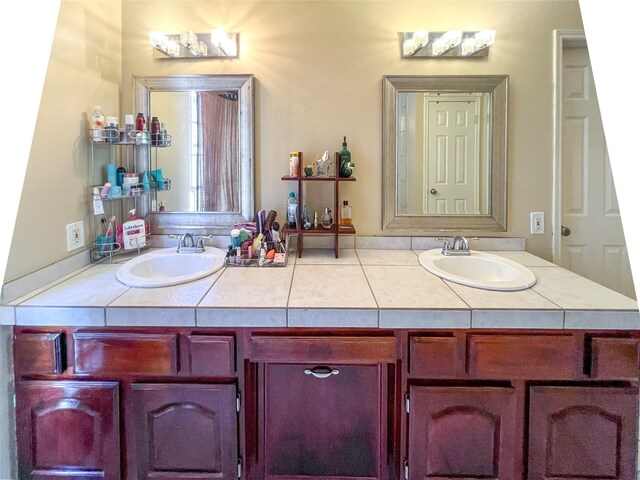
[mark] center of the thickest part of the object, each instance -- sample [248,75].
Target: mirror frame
[166,222]
[497,85]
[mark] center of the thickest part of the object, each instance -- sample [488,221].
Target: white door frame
[561,38]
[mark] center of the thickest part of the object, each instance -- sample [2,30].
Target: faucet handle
[200,240]
[446,246]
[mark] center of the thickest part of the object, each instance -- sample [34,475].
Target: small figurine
[323,164]
[308,171]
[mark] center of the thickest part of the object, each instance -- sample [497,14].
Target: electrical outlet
[537,223]
[75,236]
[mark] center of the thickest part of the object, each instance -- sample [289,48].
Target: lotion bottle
[133,232]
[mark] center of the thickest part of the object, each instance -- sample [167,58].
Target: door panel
[583,432]
[68,429]
[185,431]
[322,427]
[596,248]
[462,433]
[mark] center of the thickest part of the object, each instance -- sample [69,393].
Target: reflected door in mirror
[442,153]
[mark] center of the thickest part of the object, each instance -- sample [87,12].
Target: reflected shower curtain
[218,169]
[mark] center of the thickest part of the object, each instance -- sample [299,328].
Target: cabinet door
[462,432]
[68,430]
[184,431]
[322,427]
[583,432]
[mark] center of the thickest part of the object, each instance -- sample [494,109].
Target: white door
[593,242]
[452,157]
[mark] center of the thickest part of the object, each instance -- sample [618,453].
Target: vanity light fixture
[452,43]
[187,44]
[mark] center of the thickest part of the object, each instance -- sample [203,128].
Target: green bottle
[346,167]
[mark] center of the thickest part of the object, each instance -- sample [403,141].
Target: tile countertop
[363,288]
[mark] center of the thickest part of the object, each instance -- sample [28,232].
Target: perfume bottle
[306,218]
[327,219]
[345,213]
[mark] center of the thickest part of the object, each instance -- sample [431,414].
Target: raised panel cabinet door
[583,432]
[462,433]
[184,431]
[68,430]
[325,423]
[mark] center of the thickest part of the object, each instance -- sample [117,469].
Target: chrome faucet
[188,244]
[460,246]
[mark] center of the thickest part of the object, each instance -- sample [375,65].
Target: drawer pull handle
[321,372]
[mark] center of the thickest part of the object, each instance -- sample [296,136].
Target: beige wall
[84,70]
[318,68]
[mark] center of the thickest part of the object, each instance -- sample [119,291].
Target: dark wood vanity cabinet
[68,429]
[582,432]
[322,422]
[186,431]
[459,432]
[287,404]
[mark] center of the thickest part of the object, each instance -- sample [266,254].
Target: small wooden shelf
[335,229]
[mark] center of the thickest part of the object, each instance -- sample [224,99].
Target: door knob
[433,191]
[565,231]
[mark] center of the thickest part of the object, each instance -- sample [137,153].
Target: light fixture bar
[188,44]
[451,43]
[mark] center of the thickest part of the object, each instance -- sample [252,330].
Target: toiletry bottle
[140,123]
[315,219]
[129,126]
[327,219]
[306,218]
[112,132]
[345,213]
[163,136]
[133,232]
[294,164]
[155,130]
[345,168]
[292,210]
[97,124]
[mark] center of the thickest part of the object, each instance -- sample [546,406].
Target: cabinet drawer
[436,356]
[125,353]
[355,350]
[614,358]
[522,357]
[211,355]
[39,353]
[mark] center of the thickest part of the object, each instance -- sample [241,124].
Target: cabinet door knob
[433,191]
[321,372]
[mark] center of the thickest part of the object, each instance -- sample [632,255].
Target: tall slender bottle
[345,167]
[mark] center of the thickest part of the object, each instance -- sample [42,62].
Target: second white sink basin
[480,270]
[165,267]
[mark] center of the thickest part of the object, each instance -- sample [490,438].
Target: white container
[133,232]
[97,124]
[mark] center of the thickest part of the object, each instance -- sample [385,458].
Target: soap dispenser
[133,232]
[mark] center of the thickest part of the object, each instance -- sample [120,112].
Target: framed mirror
[444,153]
[210,159]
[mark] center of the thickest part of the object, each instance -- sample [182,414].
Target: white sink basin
[165,267]
[480,270]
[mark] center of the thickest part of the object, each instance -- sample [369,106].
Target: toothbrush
[110,227]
